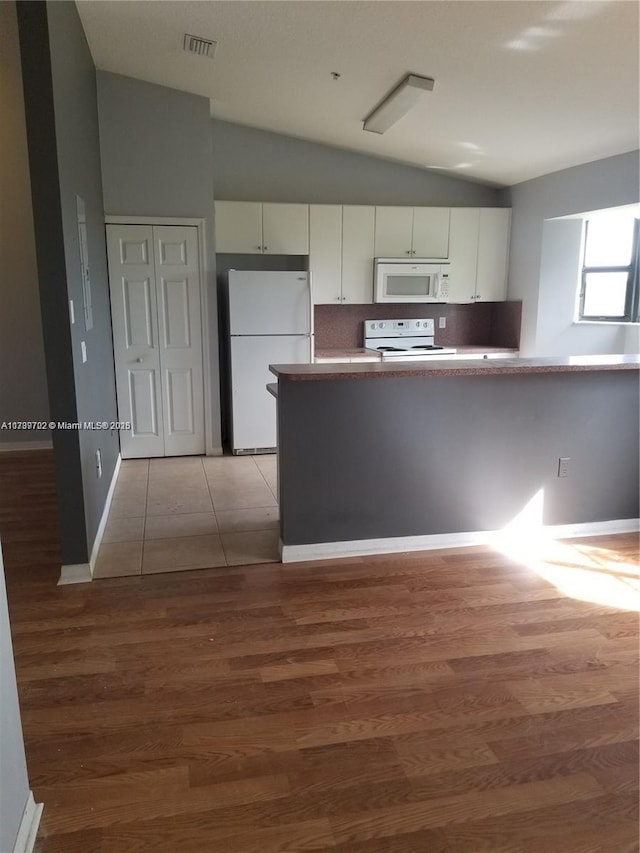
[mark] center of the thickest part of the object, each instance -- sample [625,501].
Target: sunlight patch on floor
[585,572]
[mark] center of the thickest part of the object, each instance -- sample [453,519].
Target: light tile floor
[190,512]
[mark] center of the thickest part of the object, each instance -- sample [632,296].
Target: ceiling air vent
[200,46]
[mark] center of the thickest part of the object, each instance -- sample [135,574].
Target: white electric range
[404,340]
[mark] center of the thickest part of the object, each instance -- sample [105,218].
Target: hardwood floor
[444,702]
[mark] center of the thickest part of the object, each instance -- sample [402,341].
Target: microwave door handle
[437,285]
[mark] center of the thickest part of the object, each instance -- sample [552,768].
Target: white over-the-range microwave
[414,280]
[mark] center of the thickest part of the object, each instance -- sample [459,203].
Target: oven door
[408,282]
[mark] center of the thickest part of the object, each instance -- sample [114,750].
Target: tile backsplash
[483,324]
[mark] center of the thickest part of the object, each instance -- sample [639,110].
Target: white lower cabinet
[341,253]
[478,253]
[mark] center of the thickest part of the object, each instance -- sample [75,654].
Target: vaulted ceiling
[523,87]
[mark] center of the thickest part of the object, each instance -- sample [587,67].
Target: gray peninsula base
[379,458]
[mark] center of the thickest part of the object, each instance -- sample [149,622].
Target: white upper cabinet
[341,254]
[253,228]
[285,229]
[478,252]
[357,254]
[463,253]
[430,235]
[493,254]
[421,232]
[393,237]
[325,252]
[238,227]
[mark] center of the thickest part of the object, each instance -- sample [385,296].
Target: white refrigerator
[270,322]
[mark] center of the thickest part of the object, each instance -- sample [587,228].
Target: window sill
[624,323]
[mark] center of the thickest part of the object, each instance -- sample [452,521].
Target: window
[609,287]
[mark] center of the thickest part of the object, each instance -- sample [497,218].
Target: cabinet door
[493,254]
[393,232]
[463,253]
[430,236]
[238,227]
[285,229]
[325,253]
[357,254]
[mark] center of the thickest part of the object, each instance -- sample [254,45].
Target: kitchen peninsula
[383,457]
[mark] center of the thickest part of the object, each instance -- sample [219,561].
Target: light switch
[442,322]
[83,350]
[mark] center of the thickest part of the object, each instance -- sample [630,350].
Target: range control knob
[381,325]
[373,326]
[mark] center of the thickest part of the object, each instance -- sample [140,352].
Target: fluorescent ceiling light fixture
[398,103]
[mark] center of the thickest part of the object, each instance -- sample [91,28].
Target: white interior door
[134,318]
[157,337]
[180,338]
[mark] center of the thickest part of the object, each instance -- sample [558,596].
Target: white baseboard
[398,544]
[83,572]
[17,446]
[26,838]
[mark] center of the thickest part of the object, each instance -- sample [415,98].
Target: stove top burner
[427,347]
[391,349]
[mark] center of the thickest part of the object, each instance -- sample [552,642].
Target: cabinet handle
[338,298]
[408,251]
[478,296]
[265,248]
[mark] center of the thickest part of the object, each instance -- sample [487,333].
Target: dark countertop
[444,367]
[346,355]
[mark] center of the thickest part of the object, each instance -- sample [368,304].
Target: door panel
[138,311]
[179,318]
[135,336]
[143,403]
[179,397]
[175,307]
[154,281]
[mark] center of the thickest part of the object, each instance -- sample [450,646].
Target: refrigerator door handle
[310,308]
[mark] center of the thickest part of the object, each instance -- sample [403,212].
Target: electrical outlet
[442,322]
[99,463]
[563,466]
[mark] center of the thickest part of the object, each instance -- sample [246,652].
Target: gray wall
[23,383]
[385,461]
[14,785]
[64,157]
[157,161]
[605,183]
[257,165]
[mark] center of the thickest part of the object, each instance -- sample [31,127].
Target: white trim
[152,220]
[75,573]
[83,572]
[15,446]
[105,515]
[26,838]
[200,225]
[397,544]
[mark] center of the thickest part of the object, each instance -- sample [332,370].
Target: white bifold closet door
[154,280]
